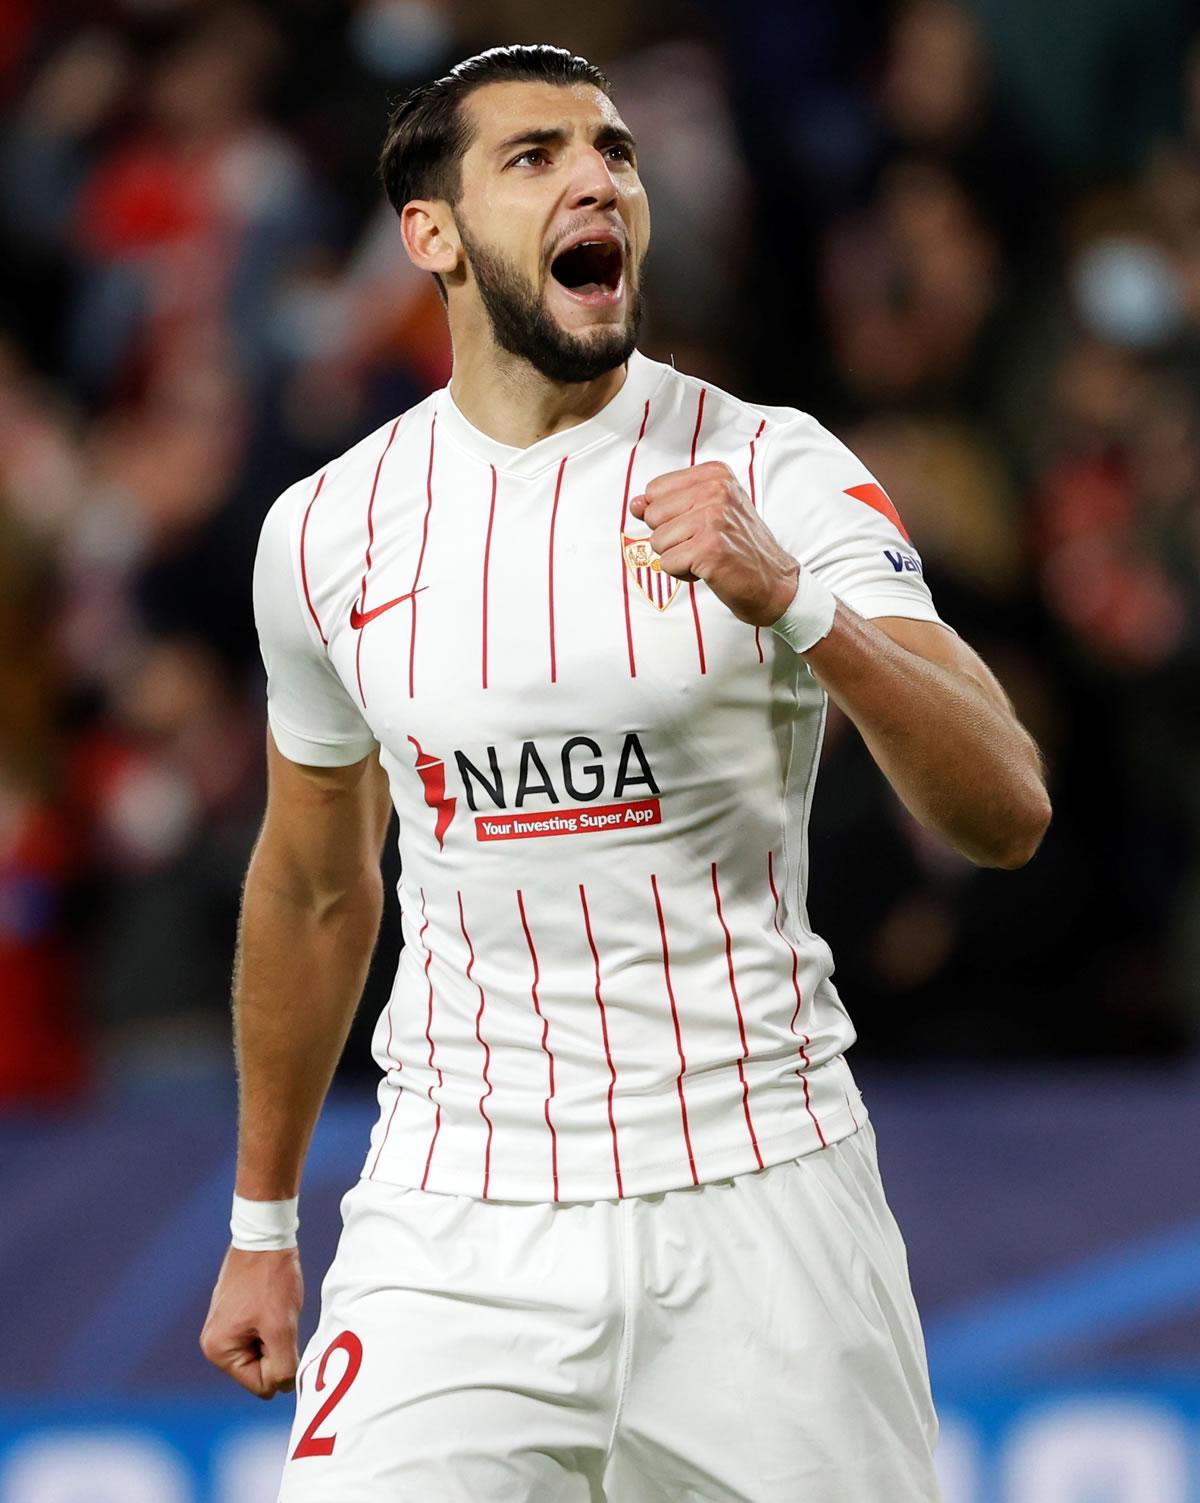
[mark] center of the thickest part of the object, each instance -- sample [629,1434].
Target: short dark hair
[427,132]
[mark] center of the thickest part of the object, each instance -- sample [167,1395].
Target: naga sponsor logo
[646,811]
[903,563]
[578,771]
[432,772]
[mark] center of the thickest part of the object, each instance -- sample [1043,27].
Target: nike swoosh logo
[359,619]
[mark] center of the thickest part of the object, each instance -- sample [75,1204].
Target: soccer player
[619,1231]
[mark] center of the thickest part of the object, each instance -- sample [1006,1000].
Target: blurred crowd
[965,235]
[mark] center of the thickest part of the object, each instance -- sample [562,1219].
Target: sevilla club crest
[659,587]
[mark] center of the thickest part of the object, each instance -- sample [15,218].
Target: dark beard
[522,325]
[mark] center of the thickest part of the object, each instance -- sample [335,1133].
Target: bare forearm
[947,742]
[300,971]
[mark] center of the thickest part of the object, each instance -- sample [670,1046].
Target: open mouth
[590,269]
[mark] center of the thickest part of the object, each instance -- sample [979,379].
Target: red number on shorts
[312,1444]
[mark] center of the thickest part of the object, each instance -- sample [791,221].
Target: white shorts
[752,1340]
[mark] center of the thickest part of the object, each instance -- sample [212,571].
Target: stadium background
[966,236]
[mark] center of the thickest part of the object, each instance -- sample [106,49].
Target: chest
[502,607]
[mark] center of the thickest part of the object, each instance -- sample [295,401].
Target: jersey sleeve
[312,717]
[828,510]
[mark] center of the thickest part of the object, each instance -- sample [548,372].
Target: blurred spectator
[44,1042]
[910,285]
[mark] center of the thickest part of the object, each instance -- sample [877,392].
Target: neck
[505,397]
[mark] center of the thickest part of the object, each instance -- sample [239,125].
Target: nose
[592,185]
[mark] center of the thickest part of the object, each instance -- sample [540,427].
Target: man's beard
[522,324]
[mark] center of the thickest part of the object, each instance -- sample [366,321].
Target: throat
[513,404]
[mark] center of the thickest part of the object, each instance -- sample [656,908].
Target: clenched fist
[704,527]
[252,1322]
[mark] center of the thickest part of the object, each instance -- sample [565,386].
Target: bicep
[938,644]
[324,826]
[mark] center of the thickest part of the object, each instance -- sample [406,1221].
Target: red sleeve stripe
[878,500]
[437,1121]
[362,603]
[666,955]
[741,1022]
[533,990]
[487,1053]
[799,999]
[612,1069]
[412,636]
[621,537]
[303,564]
[692,582]
[553,522]
[754,504]
[487,564]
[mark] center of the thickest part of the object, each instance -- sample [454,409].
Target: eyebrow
[607,135]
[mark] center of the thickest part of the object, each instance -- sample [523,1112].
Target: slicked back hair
[428,131]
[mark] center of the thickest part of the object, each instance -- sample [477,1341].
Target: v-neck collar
[614,420]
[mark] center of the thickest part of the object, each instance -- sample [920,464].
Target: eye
[533,151]
[622,150]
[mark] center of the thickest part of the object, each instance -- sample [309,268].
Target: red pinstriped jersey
[609,984]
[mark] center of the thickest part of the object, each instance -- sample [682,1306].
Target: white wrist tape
[264,1225]
[810,615]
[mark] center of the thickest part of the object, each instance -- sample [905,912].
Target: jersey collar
[618,418]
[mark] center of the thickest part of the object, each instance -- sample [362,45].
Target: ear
[430,235]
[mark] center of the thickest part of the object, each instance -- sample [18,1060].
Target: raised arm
[934,717]
[310,916]
[942,730]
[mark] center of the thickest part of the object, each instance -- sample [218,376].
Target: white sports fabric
[609,985]
[749,1341]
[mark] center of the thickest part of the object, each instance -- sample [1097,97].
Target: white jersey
[609,985]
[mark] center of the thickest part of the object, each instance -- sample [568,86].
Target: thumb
[638,506]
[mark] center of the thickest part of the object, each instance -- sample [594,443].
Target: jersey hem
[837,1122]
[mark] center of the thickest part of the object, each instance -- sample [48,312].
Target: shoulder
[722,419]
[391,441]
[335,496]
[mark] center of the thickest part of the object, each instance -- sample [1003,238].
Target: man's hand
[704,527]
[252,1322]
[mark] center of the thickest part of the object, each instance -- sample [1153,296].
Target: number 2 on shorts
[310,1443]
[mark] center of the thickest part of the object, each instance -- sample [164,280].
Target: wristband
[810,615]
[264,1225]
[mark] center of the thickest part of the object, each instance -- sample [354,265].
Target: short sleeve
[313,719]
[828,510]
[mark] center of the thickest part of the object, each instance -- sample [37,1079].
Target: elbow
[1023,834]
